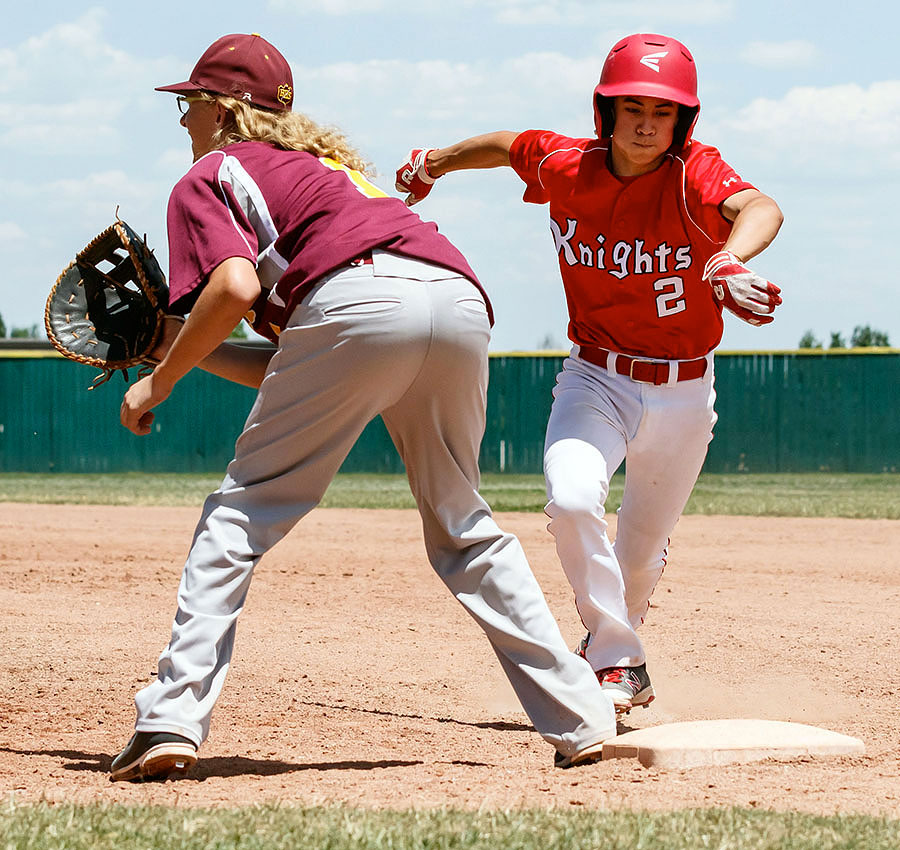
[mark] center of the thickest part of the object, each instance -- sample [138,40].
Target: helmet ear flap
[687,115]
[604,116]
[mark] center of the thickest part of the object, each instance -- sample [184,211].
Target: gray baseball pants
[408,341]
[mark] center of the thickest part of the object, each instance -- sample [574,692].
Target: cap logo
[247,96]
[651,60]
[285,94]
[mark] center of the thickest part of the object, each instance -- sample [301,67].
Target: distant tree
[837,341]
[808,340]
[865,337]
[548,343]
[2,328]
[24,333]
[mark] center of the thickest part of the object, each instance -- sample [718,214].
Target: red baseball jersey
[632,250]
[296,216]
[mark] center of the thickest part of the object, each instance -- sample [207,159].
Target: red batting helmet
[652,66]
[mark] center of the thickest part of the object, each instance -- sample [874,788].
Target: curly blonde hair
[287,130]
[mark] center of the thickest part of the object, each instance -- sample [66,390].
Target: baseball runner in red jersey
[652,230]
[371,311]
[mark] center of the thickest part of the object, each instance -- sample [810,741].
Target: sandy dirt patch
[358,679]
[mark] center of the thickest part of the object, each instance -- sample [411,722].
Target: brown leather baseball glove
[107,308]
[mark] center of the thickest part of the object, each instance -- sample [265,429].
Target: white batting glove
[413,177]
[741,291]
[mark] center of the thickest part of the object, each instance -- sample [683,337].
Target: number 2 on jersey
[669,301]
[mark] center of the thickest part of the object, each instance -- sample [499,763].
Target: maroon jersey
[632,249]
[297,217]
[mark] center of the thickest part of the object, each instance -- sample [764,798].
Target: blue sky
[802,98]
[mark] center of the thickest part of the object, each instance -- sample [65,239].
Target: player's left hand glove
[413,177]
[740,290]
[107,308]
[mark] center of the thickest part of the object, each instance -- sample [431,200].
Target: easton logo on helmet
[651,60]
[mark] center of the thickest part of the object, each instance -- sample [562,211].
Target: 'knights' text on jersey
[631,250]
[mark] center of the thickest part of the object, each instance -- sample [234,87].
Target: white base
[710,742]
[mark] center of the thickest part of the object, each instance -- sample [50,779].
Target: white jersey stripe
[684,202]
[270,265]
[590,148]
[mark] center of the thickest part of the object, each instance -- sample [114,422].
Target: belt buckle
[631,370]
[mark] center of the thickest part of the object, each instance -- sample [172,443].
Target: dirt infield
[358,679]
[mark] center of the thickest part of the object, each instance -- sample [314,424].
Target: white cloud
[87,202]
[835,131]
[570,12]
[350,7]
[524,12]
[439,94]
[175,161]
[102,187]
[67,89]
[781,54]
[84,125]
[8,68]
[34,71]
[11,232]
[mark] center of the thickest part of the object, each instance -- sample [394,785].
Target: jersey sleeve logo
[651,60]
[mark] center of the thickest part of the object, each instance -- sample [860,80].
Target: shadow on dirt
[218,766]
[500,725]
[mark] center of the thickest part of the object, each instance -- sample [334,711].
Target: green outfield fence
[836,410]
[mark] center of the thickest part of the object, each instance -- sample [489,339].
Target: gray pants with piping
[408,341]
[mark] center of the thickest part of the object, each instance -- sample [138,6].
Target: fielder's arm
[232,289]
[236,363]
[239,364]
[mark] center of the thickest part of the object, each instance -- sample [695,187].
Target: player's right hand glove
[740,290]
[413,177]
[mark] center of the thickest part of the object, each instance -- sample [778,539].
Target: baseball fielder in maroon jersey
[653,231]
[371,311]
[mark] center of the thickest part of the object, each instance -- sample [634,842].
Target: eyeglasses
[184,102]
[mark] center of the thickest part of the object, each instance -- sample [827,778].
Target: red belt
[642,370]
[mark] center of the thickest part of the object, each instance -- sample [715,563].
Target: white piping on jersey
[586,149]
[684,198]
[589,149]
[270,265]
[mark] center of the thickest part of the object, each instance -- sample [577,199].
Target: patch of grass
[111,488]
[799,495]
[857,496]
[45,827]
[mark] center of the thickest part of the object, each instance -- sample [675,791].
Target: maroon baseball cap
[246,67]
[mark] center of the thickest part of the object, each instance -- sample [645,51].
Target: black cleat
[154,755]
